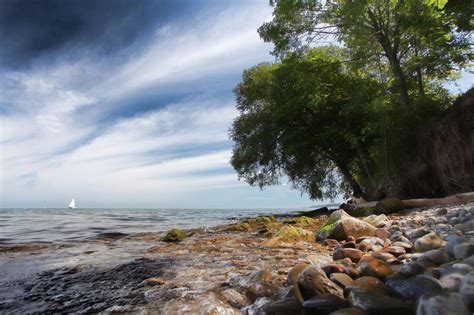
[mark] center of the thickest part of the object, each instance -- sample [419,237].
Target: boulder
[340,226]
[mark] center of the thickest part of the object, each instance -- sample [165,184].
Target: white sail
[72,205]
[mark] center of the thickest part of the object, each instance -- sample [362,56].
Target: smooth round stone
[295,272]
[371,240]
[333,268]
[435,256]
[378,303]
[365,247]
[313,281]
[377,248]
[451,303]
[382,233]
[467,290]
[387,257]
[469,261]
[406,245]
[451,281]
[285,306]
[341,279]
[352,272]
[331,242]
[375,268]
[451,241]
[463,250]
[324,304]
[351,244]
[353,254]
[428,242]
[413,288]
[367,284]
[417,233]
[350,311]
[394,250]
[441,211]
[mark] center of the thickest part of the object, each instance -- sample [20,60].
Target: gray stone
[378,304]
[413,288]
[463,250]
[451,303]
[467,290]
[428,242]
[435,256]
[452,240]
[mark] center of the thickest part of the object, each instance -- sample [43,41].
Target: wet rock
[235,298]
[375,268]
[353,254]
[333,268]
[451,303]
[350,244]
[435,256]
[283,307]
[110,236]
[406,245]
[467,290]
[341,279]
[415,287]
[331,242]
[394,250]
[294,273]
[174,235]
[256,284]
[411,269]
[463,250]
[313,281]
[367,284]
[428,242]
[253,309]
[378,303]
[340,225]
[323,304]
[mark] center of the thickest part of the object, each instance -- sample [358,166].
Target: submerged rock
[174,235]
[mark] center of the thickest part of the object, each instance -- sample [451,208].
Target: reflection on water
[65,225]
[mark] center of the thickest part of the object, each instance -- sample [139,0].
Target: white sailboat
[72,205]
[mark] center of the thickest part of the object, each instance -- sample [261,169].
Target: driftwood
[419,203]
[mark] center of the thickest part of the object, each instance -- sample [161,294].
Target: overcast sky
[126,103]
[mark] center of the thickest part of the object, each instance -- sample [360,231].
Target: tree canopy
[339,109]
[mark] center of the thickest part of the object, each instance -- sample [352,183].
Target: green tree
[417,39]
[308,118]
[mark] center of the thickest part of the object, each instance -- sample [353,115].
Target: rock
[350,244]
[291,234]
[417,233]
[333,268]
[293,276]
[353,254]
[394,250]
[463,250]
[313,281]
[340,225]
[442,211]
[350,311]
[467,290]
[365,247]
[389,205]
[452,240]
[378,303]
[174,235]
[375,268]
[341,279]
[256,284]
[252,309]
[379,221]
[451,303]
[413,288]
[428,242]
[330,242]
[411,269]
[367,284]
[451,281]
[323,304]
[386,257]
[406,245]
[235,298]
[153,281]
[435,256]
[283,307]
[382,233]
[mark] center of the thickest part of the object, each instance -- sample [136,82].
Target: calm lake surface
[70,225]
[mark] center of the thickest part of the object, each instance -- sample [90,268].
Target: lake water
[70,225]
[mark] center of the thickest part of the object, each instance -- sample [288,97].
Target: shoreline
[231,269]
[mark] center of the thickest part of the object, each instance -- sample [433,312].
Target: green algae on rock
[174,235]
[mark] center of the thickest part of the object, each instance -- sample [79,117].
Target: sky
[126,103]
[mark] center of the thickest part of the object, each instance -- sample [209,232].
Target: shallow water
[71,225]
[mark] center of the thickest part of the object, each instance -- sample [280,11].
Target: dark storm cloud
[37,28]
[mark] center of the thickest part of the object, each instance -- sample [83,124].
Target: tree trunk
[419,76]
[400,80]
[357,190]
